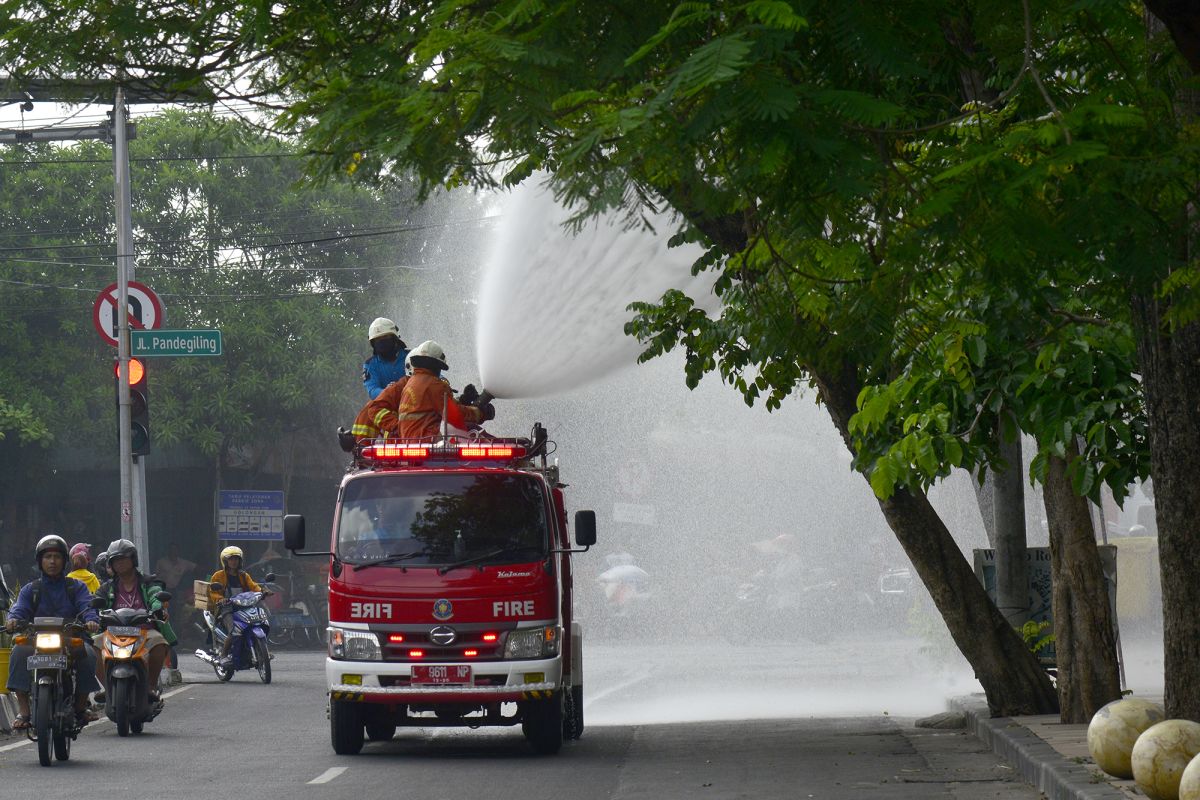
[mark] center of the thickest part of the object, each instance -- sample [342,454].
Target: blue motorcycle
[251,625]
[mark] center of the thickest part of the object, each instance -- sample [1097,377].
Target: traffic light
[139,405]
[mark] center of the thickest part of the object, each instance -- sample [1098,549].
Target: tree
[836,164]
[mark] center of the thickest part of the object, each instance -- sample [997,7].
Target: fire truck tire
[345,727]
[573,714]
[381,731]
[543,724]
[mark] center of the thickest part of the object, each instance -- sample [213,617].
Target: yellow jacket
[217,593]
[87,578]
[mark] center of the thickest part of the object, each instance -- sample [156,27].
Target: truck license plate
[46,662]
[429,674]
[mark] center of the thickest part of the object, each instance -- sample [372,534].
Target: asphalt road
[659,726]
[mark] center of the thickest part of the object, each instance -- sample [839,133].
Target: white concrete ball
[1161,754]
[1189,784]
[1114,729]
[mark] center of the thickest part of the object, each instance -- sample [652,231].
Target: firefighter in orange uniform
[426,394]
[378,417]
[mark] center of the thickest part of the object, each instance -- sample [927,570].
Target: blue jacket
[377,373]
[59,597]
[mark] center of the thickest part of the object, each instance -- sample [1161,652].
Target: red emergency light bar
[388,452]
[490,451]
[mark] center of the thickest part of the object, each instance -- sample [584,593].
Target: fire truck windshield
[440,519]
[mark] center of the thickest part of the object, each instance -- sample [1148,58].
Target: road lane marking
[329,774]
[98,723]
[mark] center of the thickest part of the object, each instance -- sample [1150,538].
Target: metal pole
[121,201]
[1012,567]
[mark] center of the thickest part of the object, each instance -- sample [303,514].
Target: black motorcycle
[55,675]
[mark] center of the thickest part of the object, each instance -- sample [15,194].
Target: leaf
[720,60]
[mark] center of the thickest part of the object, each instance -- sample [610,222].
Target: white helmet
[428,349]
[382,326]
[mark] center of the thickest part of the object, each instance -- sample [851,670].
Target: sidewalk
[1051,756]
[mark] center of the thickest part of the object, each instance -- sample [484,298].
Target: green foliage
[1035,636]
[216,208]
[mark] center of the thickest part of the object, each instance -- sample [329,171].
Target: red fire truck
[450,598]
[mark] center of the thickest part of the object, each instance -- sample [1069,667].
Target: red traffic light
[137,371]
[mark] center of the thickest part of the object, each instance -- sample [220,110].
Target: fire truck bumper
[491,682]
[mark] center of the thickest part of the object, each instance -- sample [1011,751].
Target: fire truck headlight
[532,643]
[353,645]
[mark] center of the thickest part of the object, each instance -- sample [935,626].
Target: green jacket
[150,590]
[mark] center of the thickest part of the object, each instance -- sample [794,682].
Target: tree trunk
[1084,637]
[1012,551]
[1014,682]
[1170,364]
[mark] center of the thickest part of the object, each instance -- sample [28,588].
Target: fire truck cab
[450,592]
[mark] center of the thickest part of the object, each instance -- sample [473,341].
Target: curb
[1039,764]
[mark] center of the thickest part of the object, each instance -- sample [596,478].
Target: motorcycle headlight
[120,652]
[532,643]
[49,641]
[354,645]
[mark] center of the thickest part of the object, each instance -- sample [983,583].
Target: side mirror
[164,597]
[269,577]
[585,528]
[293,531]
[98,602]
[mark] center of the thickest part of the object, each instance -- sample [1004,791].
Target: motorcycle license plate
[124,630]
[46,662]
[433,675]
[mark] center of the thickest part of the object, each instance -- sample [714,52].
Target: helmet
[101,565]
[382,326]
[123,548]
[230,552]
[428,355]
[82,549]
[408,365]
[48,543]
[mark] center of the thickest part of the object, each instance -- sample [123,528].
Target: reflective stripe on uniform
[383,412]
[410,415]
[363,431]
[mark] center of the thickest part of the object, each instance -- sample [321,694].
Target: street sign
[145,311]
[174,343]
[244,514]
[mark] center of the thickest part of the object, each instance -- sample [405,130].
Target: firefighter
[378,417]
[426,394]
[388,352]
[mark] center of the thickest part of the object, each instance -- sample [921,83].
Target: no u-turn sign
[145,311]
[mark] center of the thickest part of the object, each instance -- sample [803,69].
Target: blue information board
[244,514]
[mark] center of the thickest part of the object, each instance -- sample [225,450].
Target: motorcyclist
[52,595]
[226,582]
[129,588]
[81,555]
[426,394]
[386,364]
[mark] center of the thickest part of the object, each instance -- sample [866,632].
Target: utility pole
[133,474]
[1012,566]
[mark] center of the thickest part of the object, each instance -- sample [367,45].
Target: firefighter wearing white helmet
[226,582]
[427,393]
[386,363]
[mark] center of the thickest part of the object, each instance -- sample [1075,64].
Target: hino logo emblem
[442,635]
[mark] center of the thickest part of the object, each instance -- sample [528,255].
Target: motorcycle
[55,674]
[125,663]
[248,649]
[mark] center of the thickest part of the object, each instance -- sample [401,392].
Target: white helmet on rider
[428,355]
[230,552]
[382,326]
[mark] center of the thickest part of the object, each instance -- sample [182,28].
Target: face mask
[386,347]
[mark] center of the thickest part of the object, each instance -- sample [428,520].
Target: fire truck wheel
[345,727]
[543,724]
[380,731]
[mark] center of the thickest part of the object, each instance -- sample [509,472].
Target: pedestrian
[388,351]
[81,558]
[171,568]
[427,394]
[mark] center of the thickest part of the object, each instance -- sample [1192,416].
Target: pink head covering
[82,549]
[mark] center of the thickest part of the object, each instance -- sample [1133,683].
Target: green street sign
[145,344]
